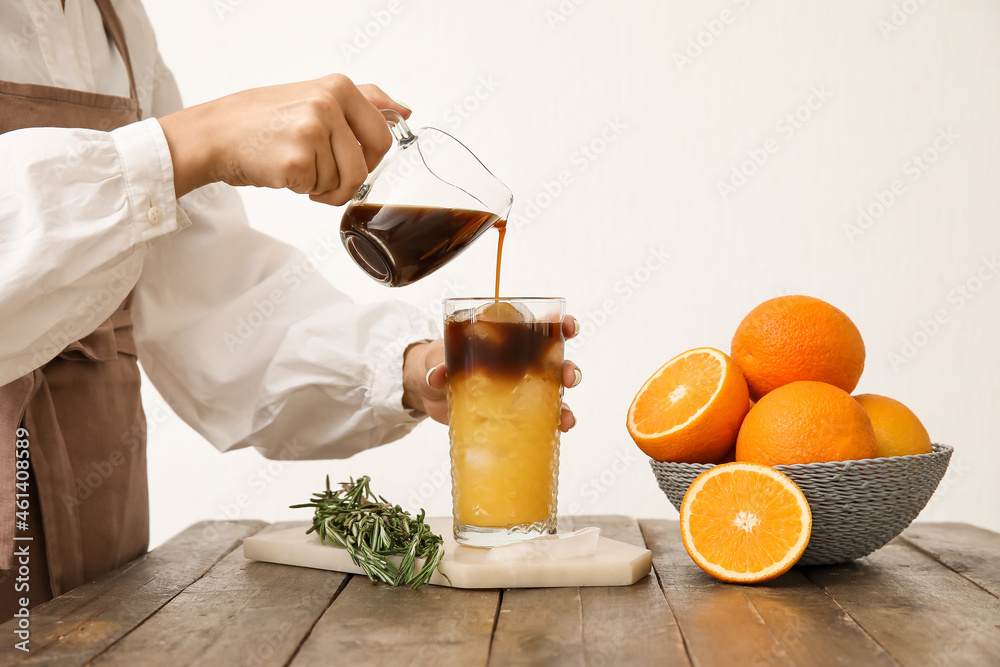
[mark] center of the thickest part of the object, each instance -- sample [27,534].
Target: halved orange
[690,411]
[745,522]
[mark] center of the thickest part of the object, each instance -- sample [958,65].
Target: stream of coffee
[501,226]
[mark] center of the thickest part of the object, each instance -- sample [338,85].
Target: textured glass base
[486,538]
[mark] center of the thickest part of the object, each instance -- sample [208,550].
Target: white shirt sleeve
[250,345]
[79,210]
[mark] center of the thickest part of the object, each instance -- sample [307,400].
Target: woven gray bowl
[857,506]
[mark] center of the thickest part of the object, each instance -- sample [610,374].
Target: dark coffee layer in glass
[502,349]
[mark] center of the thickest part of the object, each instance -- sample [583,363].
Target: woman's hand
[320,138]
[424,378]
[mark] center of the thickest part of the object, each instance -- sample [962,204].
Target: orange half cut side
[745,522]
[678,393]
[691,409]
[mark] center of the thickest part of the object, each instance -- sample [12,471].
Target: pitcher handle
[404,137]
[399,128]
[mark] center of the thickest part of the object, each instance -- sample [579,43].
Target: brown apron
[87,506]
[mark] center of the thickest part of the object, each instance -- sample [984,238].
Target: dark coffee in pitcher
[398,245]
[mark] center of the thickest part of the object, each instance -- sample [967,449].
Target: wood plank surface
[376,624]
[80,624]
[971,551]
[920,611]
[786,621]
[626,625]
[619,625]
[539,626]
[242,612]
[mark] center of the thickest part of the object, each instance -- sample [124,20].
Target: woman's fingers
[571,327]
[571,374]
[362,108]
[351,166]
[567,419]
[381,100]
[327,172]
[435,377]
[370,128]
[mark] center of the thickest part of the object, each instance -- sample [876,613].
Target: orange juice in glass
[504,359]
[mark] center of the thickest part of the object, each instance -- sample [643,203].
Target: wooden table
[931,597]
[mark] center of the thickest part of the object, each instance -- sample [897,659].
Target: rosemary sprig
[371,530]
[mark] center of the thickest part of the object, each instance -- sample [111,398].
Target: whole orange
[898,432]
[792,338]
[805,422]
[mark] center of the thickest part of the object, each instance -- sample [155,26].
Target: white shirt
[237,331]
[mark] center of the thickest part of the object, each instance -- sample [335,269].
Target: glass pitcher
[421,207]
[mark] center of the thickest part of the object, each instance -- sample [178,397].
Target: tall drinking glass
[504,359]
